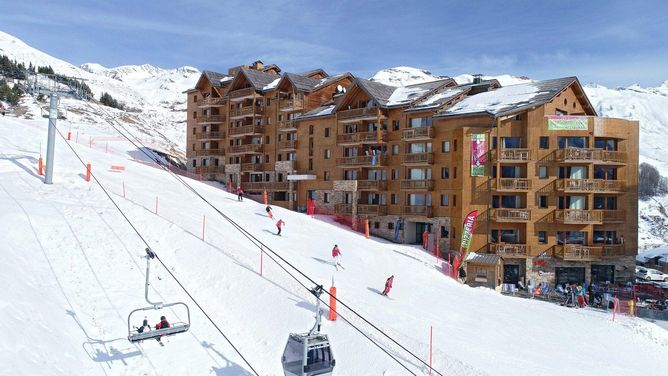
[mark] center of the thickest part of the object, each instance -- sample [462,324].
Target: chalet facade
[554,185]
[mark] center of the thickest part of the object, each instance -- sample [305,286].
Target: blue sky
[615,43]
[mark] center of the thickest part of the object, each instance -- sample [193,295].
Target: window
[328,132]
[454,145]
[266,158]
[604,237]
[195,98]
[454,172]
[326,176]
[376,225]
[310,129]
[517,117]
[571,237]
[310,164]
[267,140]
[445,146]
[454,200]
[390,225]
[395,149]
[280,117]
[395,174]
[454,233]
[194,162]
[542,237]
[328,153]
[511,142]
[421,122]
[542,172]
[194,115]
[542,201]
[572,142]
[445,200]
[193,147]
[505,236]
[445,173]
[605,173]
[393,199]
[279,157]
[325,198]
[602,273]
[268,102]
[395,125]
[544,142]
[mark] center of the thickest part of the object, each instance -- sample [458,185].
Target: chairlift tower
[51,138]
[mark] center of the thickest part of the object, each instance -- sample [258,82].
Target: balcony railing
[577,252]
[371,185]
[343,209]
[287,145]
[246,130]
[613,250]
[508,250]
[246,149]
[614,216]
[210,169]
[372,210]
[512,155]
[287,126]
[246,111]
[253,167]
[421,133]
[358,113]
[265,186]
[413,184]
[204,152]
[418,158]
[421,210]
[511,215]
[512,184]
[590,155]
[211,102]
[211,119]
[579,216]
[242,93]
[292,104]
[590,185]
[209,135]
[361,161]
[361,138]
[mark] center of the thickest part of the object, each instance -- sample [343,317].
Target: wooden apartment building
[554,185]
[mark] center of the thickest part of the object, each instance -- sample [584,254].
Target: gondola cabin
[308,355]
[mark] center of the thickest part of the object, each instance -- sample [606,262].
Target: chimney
[477,78]
[257,65]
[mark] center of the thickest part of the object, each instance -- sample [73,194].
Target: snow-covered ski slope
[72,271]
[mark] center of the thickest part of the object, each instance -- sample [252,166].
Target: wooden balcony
[287,145]
[613,250]
[512,155]
[211,119]
[614,216]
[361,138]
[205,152]
[508,250]
[249,111]
[287,126]
[577,252]
[371,185]
[210,135]
[246,149]
[292,105]
[361,161]
[241,94]
[416,134]
[511,184]
[417,185]
[211,102]
[414,159]
[269,186]
[579,216]
[254,167]
[590,186]
[357,114]
[420,210]
[246,130]
[511,215]
[209,169]
[371,210]
[577,155]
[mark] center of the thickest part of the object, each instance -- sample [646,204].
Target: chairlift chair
[176,327]
[309,354]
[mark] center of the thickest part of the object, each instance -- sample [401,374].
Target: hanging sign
[567,123]
[478,154]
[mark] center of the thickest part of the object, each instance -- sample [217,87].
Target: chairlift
[134,335]
[309,354]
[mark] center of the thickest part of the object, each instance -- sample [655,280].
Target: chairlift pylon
[134,335]
[309,354]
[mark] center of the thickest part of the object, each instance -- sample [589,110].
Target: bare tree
[650,181]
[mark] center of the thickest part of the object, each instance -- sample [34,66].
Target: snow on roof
[319,111]
[436,100]
[405,94]
[660,252]
[509,98]
[483,258]
[272,84]
[225,79]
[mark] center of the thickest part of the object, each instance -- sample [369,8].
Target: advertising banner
[478,154]
[567,123]
[467,234]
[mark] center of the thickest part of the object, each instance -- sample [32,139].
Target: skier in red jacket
[240,194]
[279,225]
[163,324]
[388,285]
[336,255]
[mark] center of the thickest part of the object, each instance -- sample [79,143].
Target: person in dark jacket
[163,324]
[144,326]
[388,285]
[270,213]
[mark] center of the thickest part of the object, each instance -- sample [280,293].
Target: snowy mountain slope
[74,272]
[152,95]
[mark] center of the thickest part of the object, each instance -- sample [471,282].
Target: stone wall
[624,268]
[284,166]
[384,232]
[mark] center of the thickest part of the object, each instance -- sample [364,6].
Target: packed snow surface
[72,271]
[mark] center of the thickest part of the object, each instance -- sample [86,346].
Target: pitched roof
[313,72]
[381,93]
[437,99]
[258,78]
[300,82]
[511,99]
[215,77]
[483,258]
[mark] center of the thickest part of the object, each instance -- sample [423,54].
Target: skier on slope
[336,256]
[279,225]
[425,237]
[163,324]
[388,285]
[240,194]
[270,213]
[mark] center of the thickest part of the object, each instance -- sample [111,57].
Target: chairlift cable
[259,243]
[156,255]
